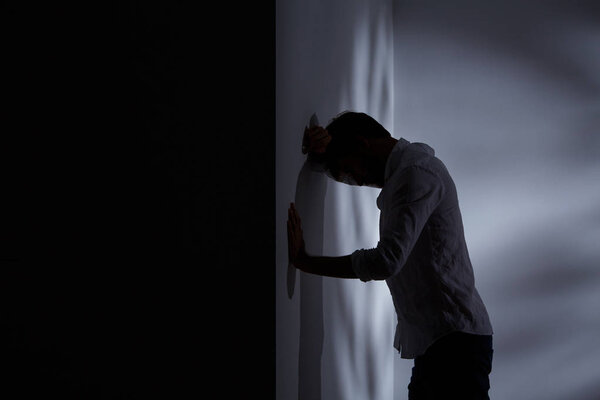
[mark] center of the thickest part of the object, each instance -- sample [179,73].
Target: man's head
[358,149]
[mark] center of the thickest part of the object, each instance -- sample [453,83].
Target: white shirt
[421,253]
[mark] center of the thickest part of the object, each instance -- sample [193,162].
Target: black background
[137,231]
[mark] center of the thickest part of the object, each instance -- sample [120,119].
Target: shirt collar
[394,158]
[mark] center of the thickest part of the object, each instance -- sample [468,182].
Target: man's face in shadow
[358,170]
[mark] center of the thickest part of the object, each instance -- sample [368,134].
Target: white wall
[334,337]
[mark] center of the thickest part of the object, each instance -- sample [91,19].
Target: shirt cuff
[359,265]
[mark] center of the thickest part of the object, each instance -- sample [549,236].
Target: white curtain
[334,336]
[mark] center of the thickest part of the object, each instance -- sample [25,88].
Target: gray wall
[508,94]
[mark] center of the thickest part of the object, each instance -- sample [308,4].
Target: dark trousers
[457,366]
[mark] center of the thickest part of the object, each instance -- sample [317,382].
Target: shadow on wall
[311,189]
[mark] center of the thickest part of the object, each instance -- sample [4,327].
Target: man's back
[434,291]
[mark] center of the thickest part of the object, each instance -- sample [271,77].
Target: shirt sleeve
[416,195]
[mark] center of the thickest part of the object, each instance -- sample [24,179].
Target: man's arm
[336,267]
[314,142]
[417,193]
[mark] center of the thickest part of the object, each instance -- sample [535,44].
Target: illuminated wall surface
[508,94]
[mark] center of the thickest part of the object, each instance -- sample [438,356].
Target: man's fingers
[315,140]
[317,133]
[321,141]
[289,237]
[296,216]
[318,139]
[294,221]
[292,217]
[294,233]
[290,232]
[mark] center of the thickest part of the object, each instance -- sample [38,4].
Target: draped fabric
[335,337]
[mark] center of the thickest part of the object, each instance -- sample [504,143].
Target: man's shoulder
[418,160]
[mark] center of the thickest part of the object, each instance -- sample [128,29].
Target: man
[421,254]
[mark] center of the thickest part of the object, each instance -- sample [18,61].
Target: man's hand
[315,140]
[296,250]
[336,267]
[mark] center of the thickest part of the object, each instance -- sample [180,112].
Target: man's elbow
[388,265]
[378,263]
[385,269]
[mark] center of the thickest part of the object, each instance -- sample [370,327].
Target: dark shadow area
[138,230]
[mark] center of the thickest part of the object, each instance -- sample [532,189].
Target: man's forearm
[336,267]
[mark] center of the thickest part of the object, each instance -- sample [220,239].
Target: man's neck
[381,149]
[384,148]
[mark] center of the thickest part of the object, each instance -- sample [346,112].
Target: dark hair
[351,124]
[345,129]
